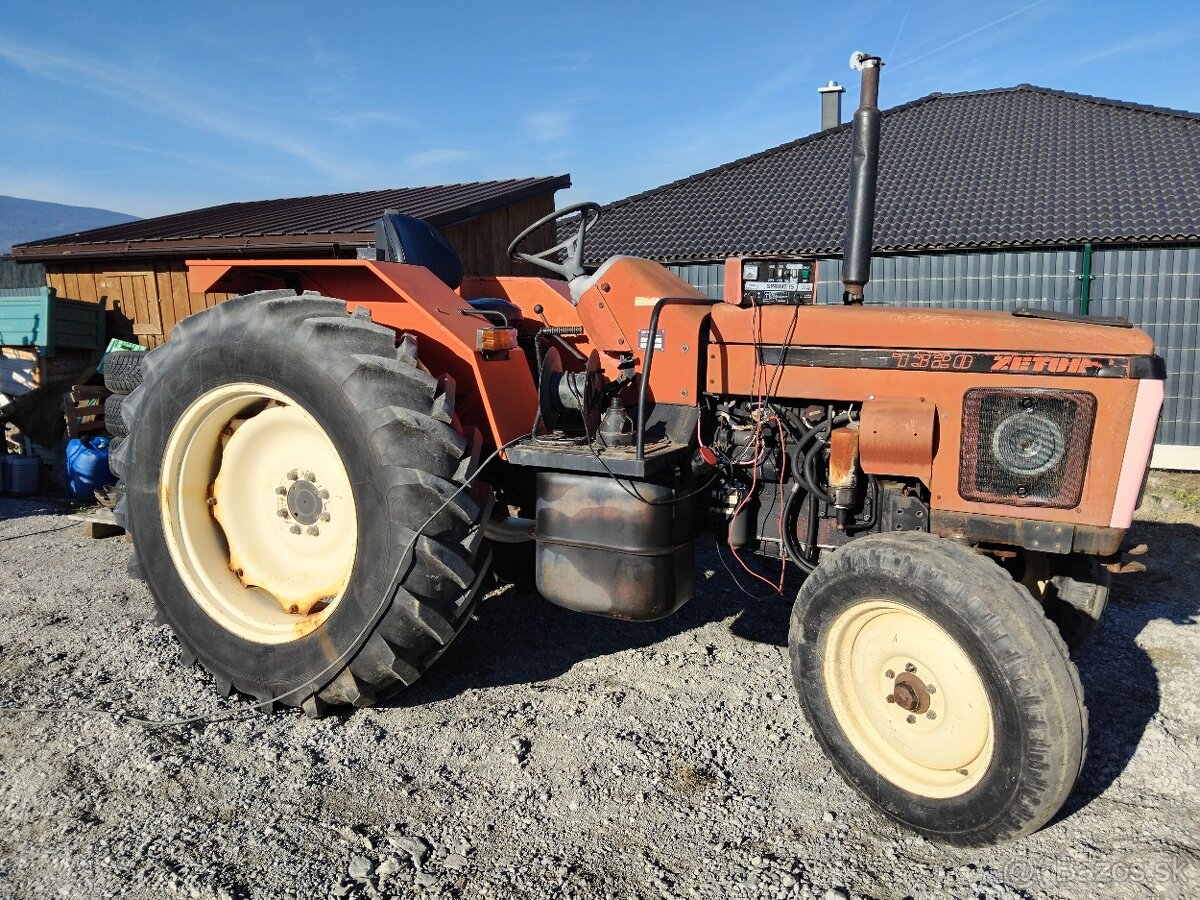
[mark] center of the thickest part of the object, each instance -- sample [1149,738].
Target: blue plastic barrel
[87,467]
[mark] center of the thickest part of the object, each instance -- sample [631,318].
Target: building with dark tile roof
[1021,196]
[1014,167]
[139,269]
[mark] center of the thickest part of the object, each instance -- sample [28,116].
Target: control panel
[770,280]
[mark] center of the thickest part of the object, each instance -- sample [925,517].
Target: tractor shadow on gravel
[519,638]
[1120,679]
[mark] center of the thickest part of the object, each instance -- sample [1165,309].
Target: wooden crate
[84,409]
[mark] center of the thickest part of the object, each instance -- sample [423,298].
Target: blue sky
[149,108]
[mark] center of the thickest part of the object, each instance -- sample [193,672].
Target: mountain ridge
[22,219]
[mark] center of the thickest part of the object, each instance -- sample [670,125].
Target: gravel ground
[547,754]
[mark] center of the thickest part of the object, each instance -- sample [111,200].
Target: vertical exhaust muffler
[864,167]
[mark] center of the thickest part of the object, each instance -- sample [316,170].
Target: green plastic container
[37,317]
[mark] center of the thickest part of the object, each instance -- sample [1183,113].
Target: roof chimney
[831,105]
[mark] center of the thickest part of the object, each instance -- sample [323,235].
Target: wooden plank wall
[146,297]
[483,243]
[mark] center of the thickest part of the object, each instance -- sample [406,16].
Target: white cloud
[150,90]
[436,156]
[968,34]
[363,117]
[549,124]
[1159,40]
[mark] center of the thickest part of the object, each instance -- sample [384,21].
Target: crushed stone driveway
[548,754]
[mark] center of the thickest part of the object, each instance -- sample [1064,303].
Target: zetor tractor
[322,472]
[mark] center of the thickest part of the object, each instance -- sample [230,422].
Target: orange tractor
[321,473]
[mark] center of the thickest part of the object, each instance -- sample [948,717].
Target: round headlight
[1027,443]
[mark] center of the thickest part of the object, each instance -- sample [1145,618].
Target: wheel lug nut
[324,517]
[283,513]
[962,771]
[293,475]
[889,674]
[891,698]
[931,715]
[932,688]
[323,494]
[295,529]
[281,490]
[909,667]
[313,530]
[309,476]
[911,719]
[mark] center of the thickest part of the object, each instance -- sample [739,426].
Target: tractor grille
[1025,447]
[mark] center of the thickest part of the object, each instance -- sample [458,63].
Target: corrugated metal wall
[709,277]
[1156,288]
[1043,279]
[19,275]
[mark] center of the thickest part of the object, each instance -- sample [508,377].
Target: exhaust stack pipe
[864,166]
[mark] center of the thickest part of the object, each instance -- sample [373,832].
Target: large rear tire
[283,456]
[938,688]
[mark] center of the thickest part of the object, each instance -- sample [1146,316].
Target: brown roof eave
[193,246]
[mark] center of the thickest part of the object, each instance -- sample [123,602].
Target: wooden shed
[139,269]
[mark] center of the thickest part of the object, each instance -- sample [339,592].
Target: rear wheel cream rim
[909,699]
[258,513]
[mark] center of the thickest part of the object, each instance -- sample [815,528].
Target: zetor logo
[1073,365]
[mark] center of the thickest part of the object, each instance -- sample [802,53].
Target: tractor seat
[413,241]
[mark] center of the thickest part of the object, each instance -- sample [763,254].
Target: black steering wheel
[589,215]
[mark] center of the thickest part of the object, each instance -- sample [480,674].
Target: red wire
[783,456]
[758,390]
[778,588]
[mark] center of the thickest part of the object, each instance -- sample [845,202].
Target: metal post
[1085,280]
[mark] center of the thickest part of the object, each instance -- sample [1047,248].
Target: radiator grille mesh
[1025,447]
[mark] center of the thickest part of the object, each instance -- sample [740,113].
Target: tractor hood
[926,329]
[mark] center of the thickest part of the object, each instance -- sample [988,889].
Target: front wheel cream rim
[258,512]
[908,699]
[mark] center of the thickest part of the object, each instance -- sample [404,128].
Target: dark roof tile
[1006,167]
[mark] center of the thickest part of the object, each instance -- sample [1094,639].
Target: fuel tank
[603,551]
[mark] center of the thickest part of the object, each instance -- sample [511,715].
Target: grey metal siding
[1042,279]
[708,277]
[1156,288]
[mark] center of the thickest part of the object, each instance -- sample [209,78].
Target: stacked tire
[122,376]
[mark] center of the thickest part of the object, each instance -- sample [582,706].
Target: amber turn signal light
[496,340]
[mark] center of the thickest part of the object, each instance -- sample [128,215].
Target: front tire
[283,456]
[937,688]
[1073,591]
